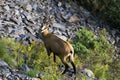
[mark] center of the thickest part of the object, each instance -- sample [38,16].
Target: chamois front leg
[54,58]
[48,52]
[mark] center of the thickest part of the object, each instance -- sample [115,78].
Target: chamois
[58,47]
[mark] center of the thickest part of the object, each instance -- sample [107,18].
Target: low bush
[94,51]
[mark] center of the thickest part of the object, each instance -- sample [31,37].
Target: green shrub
[94,51]
[114,70]
[36,58]
[4,52]
[2,49]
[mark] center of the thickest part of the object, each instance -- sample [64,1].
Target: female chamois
[58,47]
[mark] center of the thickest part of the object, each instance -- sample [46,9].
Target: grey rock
[74,18]
[58,25]
[35,78]
[17,12]
[7,8]
[39,9]
[28,7]
[57,32]
[59,4]
[67,5]
[11,30]
[29,30]
[3,63]
[1,3]
[27,15]
[22,76]
[40,74]
[12,35]
[25,68]
[7,74]
[1,28]
[34,6]
[66,16]
[85,13]
[31,37]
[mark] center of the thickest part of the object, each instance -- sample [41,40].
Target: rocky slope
[21,19]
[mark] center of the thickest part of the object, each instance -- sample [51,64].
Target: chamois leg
[48,52]
[66,66]
[54,58]
[72,63]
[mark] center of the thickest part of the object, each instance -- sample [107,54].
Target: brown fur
[58,47]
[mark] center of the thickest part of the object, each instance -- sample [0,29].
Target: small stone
[17,12]
[7,8]
[0,23]
[87,73]
[27,15]
[66,16]
[2,63]
[67,5]
[59,4]
[58,25]
[58,32]
[34,6]
[74,18]
[29,7]
[0,3]
[17,7]
[10,30]
[40,74]
[1,10]
[25,68]
[39,9]
[28,29]
[35,79]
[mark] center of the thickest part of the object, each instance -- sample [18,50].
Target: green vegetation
[109,10]
[91,50]
[4,48]
[95,52]
[14,53]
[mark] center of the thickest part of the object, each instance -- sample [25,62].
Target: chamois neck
[45,32]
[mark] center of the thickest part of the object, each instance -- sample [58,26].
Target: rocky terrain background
[21,19]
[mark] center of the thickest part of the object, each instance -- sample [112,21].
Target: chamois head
[45,25]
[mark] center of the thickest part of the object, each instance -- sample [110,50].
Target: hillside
[96,44]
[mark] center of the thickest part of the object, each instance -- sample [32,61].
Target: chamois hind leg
[66,65]
[72,63]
